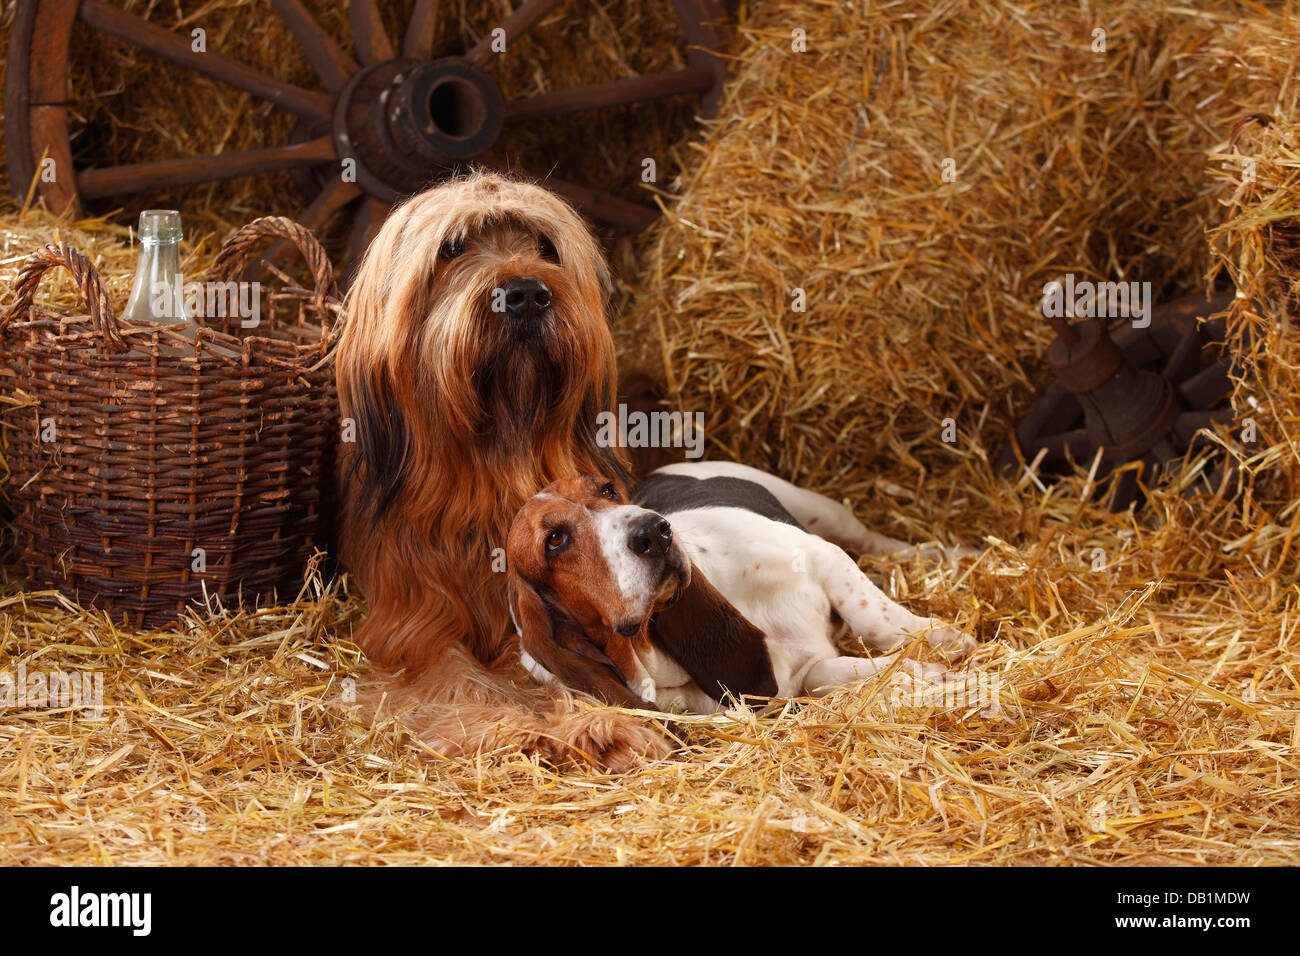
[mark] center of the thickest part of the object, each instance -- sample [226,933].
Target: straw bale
[1258,246]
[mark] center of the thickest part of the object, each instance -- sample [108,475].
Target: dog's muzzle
[527,299]
[660,570]
[650,538]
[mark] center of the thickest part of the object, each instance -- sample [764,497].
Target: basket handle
[235,252]
[88,281]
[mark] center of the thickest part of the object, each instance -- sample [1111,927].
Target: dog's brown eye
[451,248]
[546,249]
[608,490]
[556,539]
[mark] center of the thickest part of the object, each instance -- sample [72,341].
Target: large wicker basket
[150,471]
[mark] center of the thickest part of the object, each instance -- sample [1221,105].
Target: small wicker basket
[151,471]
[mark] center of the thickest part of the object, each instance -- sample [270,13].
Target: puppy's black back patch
[670,493]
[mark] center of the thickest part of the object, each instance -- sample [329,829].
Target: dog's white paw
[924,671]
[951,640]
[944,554]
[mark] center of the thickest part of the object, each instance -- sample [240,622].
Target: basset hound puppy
[732,597]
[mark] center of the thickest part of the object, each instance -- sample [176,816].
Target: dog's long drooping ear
[382,440]
[714,642]
[531,618]
[561,647]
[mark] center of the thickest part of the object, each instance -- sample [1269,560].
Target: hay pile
[1147,709]
[1258,245]
[230,741]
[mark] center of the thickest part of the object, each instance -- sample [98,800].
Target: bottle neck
[156,290]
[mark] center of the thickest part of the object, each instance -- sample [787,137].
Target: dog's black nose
[526,298]
[650,536]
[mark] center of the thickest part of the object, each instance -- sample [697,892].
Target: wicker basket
[151,471]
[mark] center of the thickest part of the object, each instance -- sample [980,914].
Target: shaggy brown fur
[461,415]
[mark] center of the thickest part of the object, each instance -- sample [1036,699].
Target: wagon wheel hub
[407,122]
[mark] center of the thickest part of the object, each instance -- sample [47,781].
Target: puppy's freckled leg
[825,676]
[871,614]
[950,639]
[839,672]
[873,542]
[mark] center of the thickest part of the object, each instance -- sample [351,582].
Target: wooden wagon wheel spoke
[636,89]
[515,26]
[599,205]
[1189,423]
[327,58]
[701,21]
[136,177]
[1186,356]
[333,197]
[371,40]
[365,226]
[163,43]
[417,42]
[604,207]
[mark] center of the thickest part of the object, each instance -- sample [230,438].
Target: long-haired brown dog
[475,360]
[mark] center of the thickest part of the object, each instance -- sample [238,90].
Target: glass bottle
[158,269]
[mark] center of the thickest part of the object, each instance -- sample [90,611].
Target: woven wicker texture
[150,469]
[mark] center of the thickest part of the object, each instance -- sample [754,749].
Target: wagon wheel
[1184,347]
[407,119]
